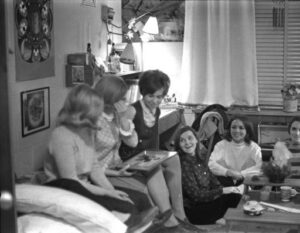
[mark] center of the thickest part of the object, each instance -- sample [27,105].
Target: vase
[290,104]
[276,179]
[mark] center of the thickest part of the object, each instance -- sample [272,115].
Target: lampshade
[151,26]
[128,56]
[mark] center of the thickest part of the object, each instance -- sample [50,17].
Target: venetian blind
[277,47]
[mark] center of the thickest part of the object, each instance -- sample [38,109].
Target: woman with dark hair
[205,200]
[116,125]
[293,143]
[236,156]
[153,86]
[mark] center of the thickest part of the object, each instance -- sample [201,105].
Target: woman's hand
[119,195]
[130,113]
[234,174]
[124,172]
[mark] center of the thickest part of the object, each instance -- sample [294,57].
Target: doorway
[8,211]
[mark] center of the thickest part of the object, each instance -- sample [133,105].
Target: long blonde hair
[82,108]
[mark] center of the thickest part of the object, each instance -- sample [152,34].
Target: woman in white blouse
[236,156]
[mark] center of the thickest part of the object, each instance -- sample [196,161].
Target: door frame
[8,215]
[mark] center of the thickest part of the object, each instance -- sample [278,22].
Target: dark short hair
[151,81]
[291,122]
[178,134]
[249,129]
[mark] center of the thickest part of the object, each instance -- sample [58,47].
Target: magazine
[147,160]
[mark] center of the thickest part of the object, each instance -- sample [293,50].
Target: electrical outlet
[107,14]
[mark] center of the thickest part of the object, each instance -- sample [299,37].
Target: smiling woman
[236,156]
[205,200]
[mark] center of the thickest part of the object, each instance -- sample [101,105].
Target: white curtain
[219,54]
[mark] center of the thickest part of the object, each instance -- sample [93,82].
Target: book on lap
[147,160]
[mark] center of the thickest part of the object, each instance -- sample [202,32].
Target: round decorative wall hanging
[34,22]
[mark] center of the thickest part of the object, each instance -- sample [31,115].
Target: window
[277,47]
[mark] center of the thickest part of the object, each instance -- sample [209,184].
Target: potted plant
[274,172]
[289,93]
[277,169]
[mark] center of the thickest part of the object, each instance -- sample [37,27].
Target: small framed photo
[78,74]
[35,108]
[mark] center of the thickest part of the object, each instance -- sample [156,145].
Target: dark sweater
[147,136]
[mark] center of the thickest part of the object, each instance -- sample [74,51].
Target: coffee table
[268,218]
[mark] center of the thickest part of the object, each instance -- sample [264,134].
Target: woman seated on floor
[293,143]
[236,156]
[205,199]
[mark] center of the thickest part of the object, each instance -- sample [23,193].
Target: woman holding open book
[116,125]
[154,86]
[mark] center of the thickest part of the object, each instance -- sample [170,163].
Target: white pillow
[40,223]
[75,209]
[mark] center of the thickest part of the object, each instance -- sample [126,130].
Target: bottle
[114,60]
[88,54]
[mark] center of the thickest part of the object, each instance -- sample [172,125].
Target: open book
[147,160]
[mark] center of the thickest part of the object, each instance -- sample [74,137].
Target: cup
[265,195]
[285,192]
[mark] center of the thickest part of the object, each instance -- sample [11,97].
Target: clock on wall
[34,21]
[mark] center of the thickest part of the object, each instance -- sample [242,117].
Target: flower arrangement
[277,169]
[290,91]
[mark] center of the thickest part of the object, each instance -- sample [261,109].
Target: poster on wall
[35,108]
[170,17]
[34,44]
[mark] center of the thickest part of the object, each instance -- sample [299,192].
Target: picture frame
[269,134]
[35,110]
[78,74]
[34,39]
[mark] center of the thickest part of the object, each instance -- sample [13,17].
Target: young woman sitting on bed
[71,164]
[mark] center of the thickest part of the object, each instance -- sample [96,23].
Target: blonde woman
[71,163]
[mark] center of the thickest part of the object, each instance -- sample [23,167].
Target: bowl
[253,208]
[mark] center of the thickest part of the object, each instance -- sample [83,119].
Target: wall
[74,26]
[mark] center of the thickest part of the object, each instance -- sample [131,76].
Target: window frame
[277,49]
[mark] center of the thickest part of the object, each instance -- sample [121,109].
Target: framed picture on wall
[35,108]
[34,39]
[78,74]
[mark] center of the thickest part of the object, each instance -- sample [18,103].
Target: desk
[169,122]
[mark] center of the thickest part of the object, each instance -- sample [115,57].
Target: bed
[43,209]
